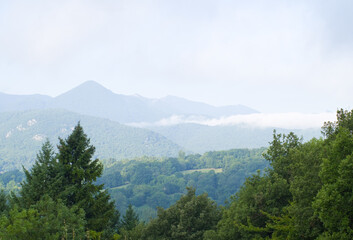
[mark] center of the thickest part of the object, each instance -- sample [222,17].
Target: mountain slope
[22,134]
[181,106]
[201,138]
[10,102]
[90,98]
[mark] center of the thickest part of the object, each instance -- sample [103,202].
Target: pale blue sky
[274,56]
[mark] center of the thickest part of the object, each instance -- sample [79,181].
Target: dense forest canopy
[304,193]
[147,183]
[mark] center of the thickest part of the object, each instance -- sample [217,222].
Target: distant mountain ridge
[10,102]
[202,138]
[23,133]
[91,98]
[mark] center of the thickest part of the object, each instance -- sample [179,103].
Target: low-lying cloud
[291,120]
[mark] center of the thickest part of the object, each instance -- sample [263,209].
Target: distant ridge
[183,106]
[23,133]
[91,98]
[10,102]
[202,138]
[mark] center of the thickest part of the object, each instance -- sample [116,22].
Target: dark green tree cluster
[187,219]
[130,220]
[59,198]
[306,193]
[130,225]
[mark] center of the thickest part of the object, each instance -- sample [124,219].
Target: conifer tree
[70,175]
[41,178]
[77,173]
[130,220]
[3,202]
[76,168]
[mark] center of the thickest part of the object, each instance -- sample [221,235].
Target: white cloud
[292,120]
[279,120]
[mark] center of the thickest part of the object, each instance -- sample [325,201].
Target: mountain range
[109,119]
[91,98]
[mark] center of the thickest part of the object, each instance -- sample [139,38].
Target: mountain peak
[87,88]
[90,84]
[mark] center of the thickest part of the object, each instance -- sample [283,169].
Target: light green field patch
[120,187]
[203,170]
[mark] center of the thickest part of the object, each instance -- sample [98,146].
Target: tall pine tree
[130,220]
[78,173]
[70,175]
[41,178]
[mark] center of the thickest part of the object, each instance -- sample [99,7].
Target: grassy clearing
[203,170]
[120,187]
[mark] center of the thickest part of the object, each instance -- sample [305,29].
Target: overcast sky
[273,56]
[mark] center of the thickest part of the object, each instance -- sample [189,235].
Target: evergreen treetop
[69,176]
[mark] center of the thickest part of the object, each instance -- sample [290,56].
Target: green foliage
[130,220]
[260,208]
[133,234]
[4,206]
[188,218]
[245,218]
[69,177]
[19,224]
[10,181]
[77,173]
[306,194]
[304,186]
[262,197]
[44,220]
[148,183]
[131,227]
[279,153]
[41,178]
[334,201]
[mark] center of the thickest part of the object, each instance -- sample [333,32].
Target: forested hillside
[23,133]
[147,183]
[202,138]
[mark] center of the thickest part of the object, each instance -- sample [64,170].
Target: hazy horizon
[272,56]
